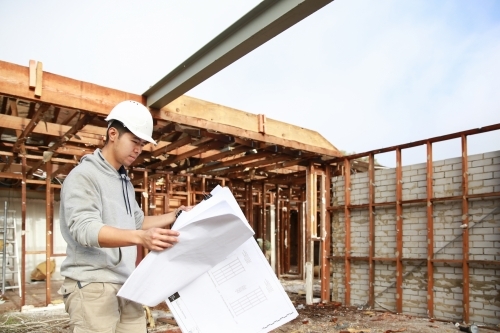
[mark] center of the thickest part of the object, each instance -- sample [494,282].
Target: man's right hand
[158,239]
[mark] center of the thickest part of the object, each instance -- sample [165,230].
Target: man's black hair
[118,125]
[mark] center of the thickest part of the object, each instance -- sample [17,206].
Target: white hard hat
[135,117]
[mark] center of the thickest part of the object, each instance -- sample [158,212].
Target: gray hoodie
[95,194]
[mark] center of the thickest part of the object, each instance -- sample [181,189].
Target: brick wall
[484,239]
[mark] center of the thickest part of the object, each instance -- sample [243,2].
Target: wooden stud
[49,217]
[399,232]
[39,79]
[430,233]
[347,218]
[371,230]
[278,232]
[23,231]
[32,74]
[263,221]
[325,235]
[465,237]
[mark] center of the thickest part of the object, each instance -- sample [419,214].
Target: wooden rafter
[228,151]
[46,128]
[30,127]
[193,152]
[174,145]
[231,162]
[63,139]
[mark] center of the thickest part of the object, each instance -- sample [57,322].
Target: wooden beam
[227,163]
[229,151]
[69,93]
[31,125]
[67,136]
[46,128]
[32,74]
[174,145]
[193,152]
[39,81]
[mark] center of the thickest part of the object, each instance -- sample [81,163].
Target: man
[102,224]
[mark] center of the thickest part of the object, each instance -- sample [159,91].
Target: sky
[364,74]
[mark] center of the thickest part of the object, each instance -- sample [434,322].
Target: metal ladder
[9,254]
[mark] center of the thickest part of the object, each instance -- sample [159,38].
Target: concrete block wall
[484,238]
[415,288]
[384,286]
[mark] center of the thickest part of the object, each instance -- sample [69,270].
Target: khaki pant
[96,308]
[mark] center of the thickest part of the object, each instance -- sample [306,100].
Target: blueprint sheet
[209,232]
[240,294]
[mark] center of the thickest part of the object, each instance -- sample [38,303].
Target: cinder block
[472,171]
[492,182]
[418,178]
[443,181]
[421,171]
[443,168]
[475,157]
[409,173]
[482,162]
[492,154]
[453,160]
[480,176]
[453,173]
[491,168]
[486,189]
[418,166]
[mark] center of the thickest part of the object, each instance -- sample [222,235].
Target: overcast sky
[365,74]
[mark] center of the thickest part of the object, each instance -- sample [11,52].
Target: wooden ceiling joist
[69,93]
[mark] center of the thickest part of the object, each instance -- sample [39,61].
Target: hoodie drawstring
[123,176]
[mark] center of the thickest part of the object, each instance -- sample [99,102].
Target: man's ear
[113,134]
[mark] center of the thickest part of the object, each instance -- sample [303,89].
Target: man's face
[127,148]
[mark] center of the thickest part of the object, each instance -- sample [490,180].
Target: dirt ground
[335,318]
[330,317]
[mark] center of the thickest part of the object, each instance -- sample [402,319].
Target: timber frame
[48,122]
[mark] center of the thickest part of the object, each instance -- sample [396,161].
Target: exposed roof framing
[195,137]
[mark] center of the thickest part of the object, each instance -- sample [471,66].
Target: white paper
[240,294]
[211,231]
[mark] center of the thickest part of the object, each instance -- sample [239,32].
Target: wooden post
[325,237]
[263,221]
[277,232]
[371,230]
[347,218]
[310,226]
[309,283]
[23,232]
[49,216]
[430,233]
[399,232]
[465,238]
